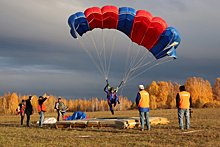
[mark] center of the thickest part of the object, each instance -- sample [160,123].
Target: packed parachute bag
[21,109]
[61,107]
[49,120]
[18,110]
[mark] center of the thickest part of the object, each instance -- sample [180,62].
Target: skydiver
[112,97]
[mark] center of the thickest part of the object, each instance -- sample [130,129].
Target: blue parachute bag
[77,115]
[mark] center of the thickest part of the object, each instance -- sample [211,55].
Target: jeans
[146,115]
[182,112]
[41,118]
[22,118]
[28,118]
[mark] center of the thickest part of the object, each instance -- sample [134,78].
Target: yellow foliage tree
[153,91]
[200,90]
[216,90]
[162,94]
[34,103]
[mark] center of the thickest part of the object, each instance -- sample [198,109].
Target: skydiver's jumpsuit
[112,98]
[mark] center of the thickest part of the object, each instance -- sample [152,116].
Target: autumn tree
[34,103]
[71,106]
[216,90]
[153,91]
[163,92]
[200,90]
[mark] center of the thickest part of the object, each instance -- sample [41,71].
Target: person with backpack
[41,109]
[61,108]
[112,97]
[29,109]
[21,110]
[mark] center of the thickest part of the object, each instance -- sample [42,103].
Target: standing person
[22,107]
[60,107]
[41,109]
[29,109]
[112,97]
[142,101]
[183,103]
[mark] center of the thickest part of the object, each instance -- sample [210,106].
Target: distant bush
[215,104]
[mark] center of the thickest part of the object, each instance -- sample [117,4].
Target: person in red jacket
[183,103]
[41,109]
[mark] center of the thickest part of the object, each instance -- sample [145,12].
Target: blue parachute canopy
[77,115]
[126,19]
[78,23]
[169,40]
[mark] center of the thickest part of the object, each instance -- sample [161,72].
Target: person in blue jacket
[112,97]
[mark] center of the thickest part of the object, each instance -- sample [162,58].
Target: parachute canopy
[140,26]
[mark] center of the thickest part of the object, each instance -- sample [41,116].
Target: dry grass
[204,120]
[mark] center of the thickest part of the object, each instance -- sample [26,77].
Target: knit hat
[40,97]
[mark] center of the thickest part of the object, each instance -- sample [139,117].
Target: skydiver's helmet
[112,88]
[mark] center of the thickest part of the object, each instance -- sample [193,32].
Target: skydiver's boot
[112,112]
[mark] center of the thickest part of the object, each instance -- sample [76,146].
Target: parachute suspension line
[126,62]
[132,64]
[89,54]
[133,71]
[161,62]
[104,54]
[100,61]
[110,59]
[142,65]
[141,61]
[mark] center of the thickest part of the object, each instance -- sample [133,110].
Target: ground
[204,131]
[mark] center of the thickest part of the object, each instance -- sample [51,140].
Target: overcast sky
[38,54]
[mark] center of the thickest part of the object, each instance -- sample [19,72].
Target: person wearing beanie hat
[142,101]
[41,109]
[29,109]
[183,104]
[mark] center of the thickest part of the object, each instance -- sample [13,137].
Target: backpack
[55,105]
[18,110]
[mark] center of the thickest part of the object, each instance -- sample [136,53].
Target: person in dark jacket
[41,109]
[29,109]
[183,103]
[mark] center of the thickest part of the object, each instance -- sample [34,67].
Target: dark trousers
[58,115]
[28,117]
[22,118]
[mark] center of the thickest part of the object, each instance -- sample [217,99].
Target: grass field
[204,131]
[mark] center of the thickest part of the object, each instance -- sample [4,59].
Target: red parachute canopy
[146,29]
[107,17]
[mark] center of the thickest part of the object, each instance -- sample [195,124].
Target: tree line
[162,96]
[9,103]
